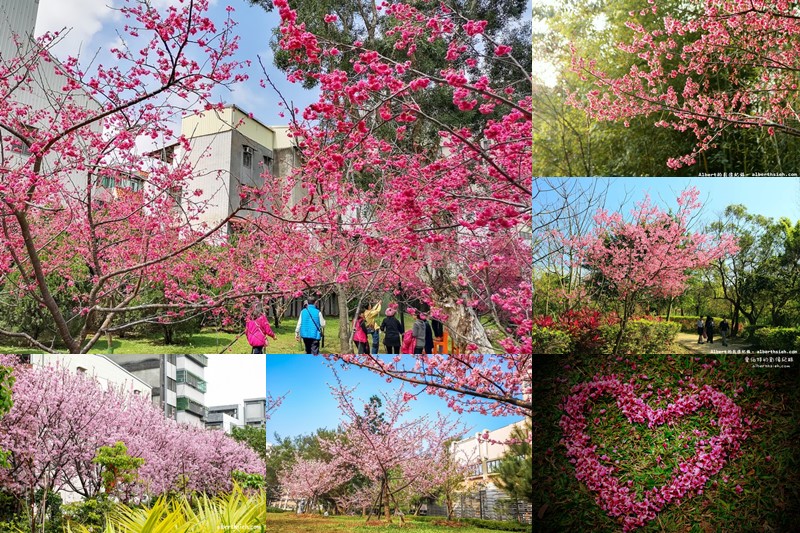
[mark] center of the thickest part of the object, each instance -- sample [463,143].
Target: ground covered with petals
[677,443]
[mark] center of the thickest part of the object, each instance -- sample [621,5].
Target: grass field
[293,523]
[758,490]
[207,341]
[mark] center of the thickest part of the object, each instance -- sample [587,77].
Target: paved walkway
[689,341]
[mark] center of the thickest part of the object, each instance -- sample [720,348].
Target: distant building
[482,497]
[177,382]
[255,412]
[226,417]
[17,24]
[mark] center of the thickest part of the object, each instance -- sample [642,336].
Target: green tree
[6,403]
[118,468]
[515,472]
[762,281]
[254,437]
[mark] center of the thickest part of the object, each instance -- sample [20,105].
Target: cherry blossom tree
[652,254]
[711,66]
[446,222]
[273,403]
[77,236]
[310,479]
[392,451]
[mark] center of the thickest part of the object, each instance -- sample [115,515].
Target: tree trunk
[385,493]
[669,308]
[626,311]
[344,320]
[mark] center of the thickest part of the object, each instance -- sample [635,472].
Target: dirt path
[689,341]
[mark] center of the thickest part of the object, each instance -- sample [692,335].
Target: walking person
[423,334]
[418,332]
[700,330]
[310,325]
[257,329]
[392,331]
[710,329]
[360,333]
[373,330]
[724,329]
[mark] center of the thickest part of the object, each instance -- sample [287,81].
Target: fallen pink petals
[619,500]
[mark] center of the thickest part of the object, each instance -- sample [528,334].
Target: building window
[171,384]
[492,466]
[268,164]
[172,359]
[81,370]
[137,392]
[184,376]
[185,404]
[200,359]
[247,156]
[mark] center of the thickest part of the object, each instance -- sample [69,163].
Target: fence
[488,504]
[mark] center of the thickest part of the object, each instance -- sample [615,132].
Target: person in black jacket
[393,331]
[710,329]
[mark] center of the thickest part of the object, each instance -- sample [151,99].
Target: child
[257,329]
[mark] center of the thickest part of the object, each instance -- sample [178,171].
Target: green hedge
[550,341]
[776,338]
[641,336]
[275,510]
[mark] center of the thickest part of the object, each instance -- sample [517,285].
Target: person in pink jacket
[257,329]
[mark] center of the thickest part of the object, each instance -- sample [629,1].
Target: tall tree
[515,472]
[394,454]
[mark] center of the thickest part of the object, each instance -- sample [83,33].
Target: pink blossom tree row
[59,420]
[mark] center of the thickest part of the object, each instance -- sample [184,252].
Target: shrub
[775,338]
[547,340]
[89,513]
[497,525]
[583,327]
[641,336]
[275,510]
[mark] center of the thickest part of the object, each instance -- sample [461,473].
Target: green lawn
[766,470]
[293,523]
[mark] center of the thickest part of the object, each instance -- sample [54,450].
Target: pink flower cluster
[619,500]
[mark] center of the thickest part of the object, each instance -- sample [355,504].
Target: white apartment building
[231,150]
[253,412]
[177,382]
[105,371]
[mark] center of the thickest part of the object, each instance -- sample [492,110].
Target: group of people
[366,330]
[705,330]
[396,339]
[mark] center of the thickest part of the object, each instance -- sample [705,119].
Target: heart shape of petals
[619,500]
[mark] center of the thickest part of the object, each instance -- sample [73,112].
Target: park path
[689,341]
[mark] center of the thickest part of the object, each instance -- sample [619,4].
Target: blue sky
[310,406]
[772,197]
[93,26]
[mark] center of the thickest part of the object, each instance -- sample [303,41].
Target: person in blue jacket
[310,325]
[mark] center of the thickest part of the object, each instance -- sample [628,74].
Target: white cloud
[82,18]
